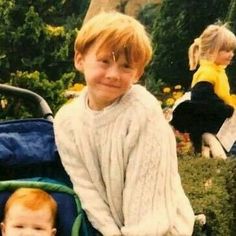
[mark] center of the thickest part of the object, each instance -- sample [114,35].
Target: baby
[29,211]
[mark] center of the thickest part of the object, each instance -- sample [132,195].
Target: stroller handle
[45,110]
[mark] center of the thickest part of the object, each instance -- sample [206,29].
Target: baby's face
[21,221]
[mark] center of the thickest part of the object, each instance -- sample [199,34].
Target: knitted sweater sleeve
[154,200]
[82,183]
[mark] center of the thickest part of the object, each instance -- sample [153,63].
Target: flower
[74,91]
[177,87]
[184,145]
[54,30]
[166,90]
[170,101]
[177,95]
[77,87]
[169,95]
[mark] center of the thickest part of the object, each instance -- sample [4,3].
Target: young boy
[113,139]
[29,211]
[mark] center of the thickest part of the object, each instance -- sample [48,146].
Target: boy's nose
[113,73]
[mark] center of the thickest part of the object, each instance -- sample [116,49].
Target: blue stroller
[29,158]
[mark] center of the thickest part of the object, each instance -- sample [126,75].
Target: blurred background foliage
[37,37]
[36,47]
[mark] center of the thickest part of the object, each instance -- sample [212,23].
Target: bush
[51,91]
[210,185]
[37,37]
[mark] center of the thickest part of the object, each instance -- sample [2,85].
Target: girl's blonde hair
[32,198]
[116,32]
[214,38]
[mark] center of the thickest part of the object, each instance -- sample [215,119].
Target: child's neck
[100,106]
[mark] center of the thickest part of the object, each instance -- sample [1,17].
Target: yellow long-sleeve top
[215,74]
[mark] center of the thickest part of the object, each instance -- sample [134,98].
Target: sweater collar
[107,115]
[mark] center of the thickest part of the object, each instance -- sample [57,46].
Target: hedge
[211,187]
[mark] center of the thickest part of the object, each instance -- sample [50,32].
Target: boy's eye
[127,66]
[38,228]
[105,61]
[19,226]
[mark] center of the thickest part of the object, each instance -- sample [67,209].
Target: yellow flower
[166,90]
[74,91]
[178,86]
[54,30]
[76,87]
[177,95]
[169,101]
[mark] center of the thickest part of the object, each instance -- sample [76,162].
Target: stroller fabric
[28,150]
[29,158]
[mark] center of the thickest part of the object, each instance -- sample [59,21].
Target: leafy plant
[210,188]
[37,40]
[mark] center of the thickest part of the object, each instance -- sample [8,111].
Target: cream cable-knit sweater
[123,165]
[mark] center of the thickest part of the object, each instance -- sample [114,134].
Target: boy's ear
[54,231]
[3,228]
[78,61]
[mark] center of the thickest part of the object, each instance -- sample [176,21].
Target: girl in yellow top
[211,102]
[213,50]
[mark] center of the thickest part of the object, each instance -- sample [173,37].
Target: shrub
[37,37]
[210,185]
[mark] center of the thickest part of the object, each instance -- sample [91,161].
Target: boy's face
[108,76]
[21,221]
